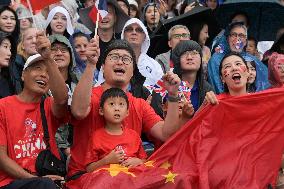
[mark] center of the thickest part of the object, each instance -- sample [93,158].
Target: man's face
[118,68]
[237,39]
[108,21]
[61,55]
[177,36]
[134,34]
[36,78]
[29,41]
[190,61]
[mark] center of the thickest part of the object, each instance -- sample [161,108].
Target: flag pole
[97,24]
[33,18]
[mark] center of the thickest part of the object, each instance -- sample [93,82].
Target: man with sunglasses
[176,34]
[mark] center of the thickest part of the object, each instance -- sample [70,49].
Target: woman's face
[7,21]
[252,73]
[152,15]
[5,52]
[81,44]
[203,35]
[234,73]
[279,71]
[190,61]
[25,23]
[58,23]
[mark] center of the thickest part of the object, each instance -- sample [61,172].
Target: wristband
[173,98]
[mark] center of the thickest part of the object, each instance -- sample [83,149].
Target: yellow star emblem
[166,165]
[115,169]
[170,177]
[149,163]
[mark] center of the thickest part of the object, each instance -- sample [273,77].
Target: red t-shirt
[21,131]
[103,143]
[141,117]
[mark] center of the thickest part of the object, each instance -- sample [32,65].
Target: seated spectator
[252,47]
[187,58]
[9,22]
[59,22]
[236,35]
[8,53]
[114,143]
[199,33]
[119,64]
[22,139]
[276,70]
[176,34]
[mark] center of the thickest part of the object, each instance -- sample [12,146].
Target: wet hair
[221,65]
[113,93]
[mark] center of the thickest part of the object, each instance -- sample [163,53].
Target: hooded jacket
[58,9]
[261,81]
[147,66]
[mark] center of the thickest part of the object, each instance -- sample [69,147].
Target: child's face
[251,47]
[114,110]
[252,73]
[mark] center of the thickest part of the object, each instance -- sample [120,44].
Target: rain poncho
[261,81]
[274,61]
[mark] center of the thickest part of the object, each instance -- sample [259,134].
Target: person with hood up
[62,54]
[276,70]
[25,18]
[235,41]
[136,34]
[187,58]
[151,17]
[59,22]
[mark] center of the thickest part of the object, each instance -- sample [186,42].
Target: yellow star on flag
[149,163]
[170,177]
[166,165]
[115,169]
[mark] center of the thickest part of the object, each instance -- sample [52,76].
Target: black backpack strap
[44,123]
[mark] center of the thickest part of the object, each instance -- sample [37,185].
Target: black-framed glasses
[131,29]
[182,35]
[240,35]
[125,58]
[191,53]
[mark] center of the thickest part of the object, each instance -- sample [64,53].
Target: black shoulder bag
[46,162]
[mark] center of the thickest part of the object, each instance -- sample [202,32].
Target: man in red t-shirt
[21,131]
[119,63]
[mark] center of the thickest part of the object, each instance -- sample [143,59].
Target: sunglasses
[131,29]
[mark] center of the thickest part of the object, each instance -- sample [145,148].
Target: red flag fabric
[99,9]
[39,4]
[236,144]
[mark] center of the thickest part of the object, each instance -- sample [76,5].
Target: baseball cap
[32,59]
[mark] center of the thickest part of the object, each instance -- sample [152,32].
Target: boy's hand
[115,157]
[132,162]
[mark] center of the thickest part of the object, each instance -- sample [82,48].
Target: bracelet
[173,98]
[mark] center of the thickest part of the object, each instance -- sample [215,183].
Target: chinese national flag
[39,4]
[236,144]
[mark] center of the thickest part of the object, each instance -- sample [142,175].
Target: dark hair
[251,38]
[80,34]
[240,13]
[127,4]
[16,33]
[112,93]
[195,30]
[221,64]
[49,31]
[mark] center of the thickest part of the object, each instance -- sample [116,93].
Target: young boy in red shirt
[115,143]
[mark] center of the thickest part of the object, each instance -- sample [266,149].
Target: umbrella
[159,38]
[121,17]
[266,16]
[5,2]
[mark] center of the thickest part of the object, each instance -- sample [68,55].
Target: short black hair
[111,93]
[251,38]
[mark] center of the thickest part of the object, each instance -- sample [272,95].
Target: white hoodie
[147,66]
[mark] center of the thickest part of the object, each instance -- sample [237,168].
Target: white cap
[32,59]
[133,2]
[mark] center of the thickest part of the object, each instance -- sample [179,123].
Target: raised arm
[81,99]
[56,82]
[164,129]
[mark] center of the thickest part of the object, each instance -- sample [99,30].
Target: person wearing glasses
[119,63]
[235,41]
[176,34]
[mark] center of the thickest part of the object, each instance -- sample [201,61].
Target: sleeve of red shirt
[150,118]
[3,136]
